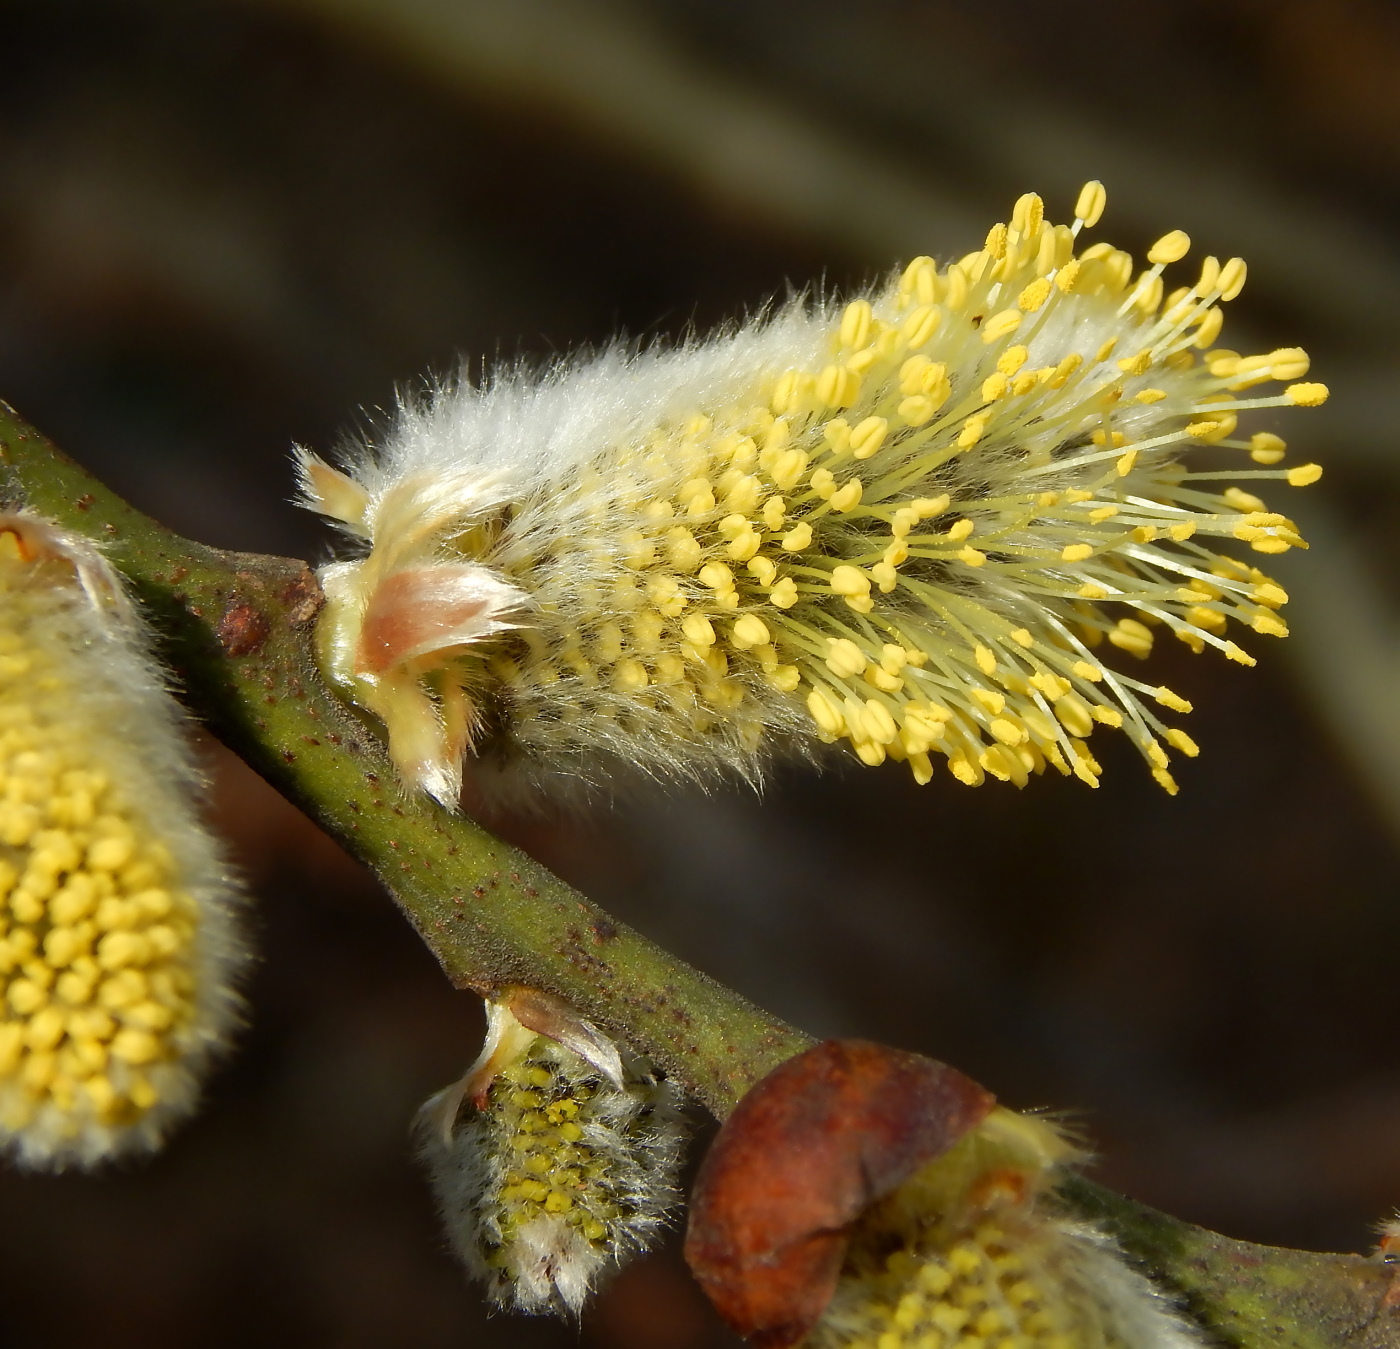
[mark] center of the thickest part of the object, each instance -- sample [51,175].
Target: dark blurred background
[232,225]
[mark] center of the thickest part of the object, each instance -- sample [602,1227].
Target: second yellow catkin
[118,952]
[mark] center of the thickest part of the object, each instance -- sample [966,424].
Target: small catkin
[551,1171]
[117,945]
[975,1252]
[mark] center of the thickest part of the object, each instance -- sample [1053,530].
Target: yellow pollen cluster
[550,1167]
[100,1014]
[917,527]
[964,1255]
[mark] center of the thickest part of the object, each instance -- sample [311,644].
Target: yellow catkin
[117,952]
[915,467]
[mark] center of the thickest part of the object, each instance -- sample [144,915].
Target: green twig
[237,630]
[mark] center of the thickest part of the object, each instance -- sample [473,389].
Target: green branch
[237,630]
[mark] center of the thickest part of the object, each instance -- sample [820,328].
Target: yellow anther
[986,661]
[893,658]
[1267,592]
[1001,325]
[972,431]
[1027,215]
[1068,276]
[1179,740]
[1235,653]
[1149,395]
[920,279]
[1024,383]
[1136,365]
[784,678]
[683,549]
[994,386]
[750,630]
[1242,501]
[732,525]
[764,568]
[790,390]
[1169,248]
[1101,513]
[1183,531]
[744,493]
[847,580]
[917,409]
[716,575]
[1022,637]
[1089,206]
[1077,552]
[920,324]
[1106,716]
[960,529]
[1289,363]
[867,436]
[1062,372]
[995,246]
[823,483]
[744,545]
[798,538]
[885,576]
[847,498]
[1266,448]
[774,512]
[855,324]
[920,375]
[1306,395]
[1231,279]
[1084,670]
[1123,465]
[1090,591]
[1131,636]
[837,386]
[877,723]
[698,631]
[787,468]
[784,593]
[989,700]
[1033,296]
[1211,323]
[630,675]
[1073,713]
[971,557]
[1007,731]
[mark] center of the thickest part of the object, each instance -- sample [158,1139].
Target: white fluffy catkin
[118,952]
[914,523]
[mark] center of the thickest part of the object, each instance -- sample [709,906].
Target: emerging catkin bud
[117,948]
[554,1160]
[972,1251]
[861,1197]
[928,524]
